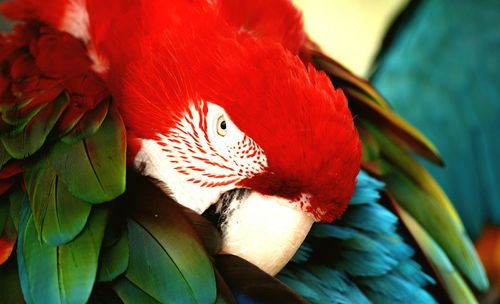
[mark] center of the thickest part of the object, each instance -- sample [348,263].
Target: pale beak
[265,230]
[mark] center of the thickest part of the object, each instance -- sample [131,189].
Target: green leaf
[35,133]
[167,258]
[130,293]
[60,274]
[94,168]
[114,260]
[58,216]
[89,124]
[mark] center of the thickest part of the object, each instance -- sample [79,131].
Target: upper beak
[265,230]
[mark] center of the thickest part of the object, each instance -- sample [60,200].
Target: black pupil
[223,125]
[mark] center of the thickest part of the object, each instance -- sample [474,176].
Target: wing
[457,104]
[389,145]
[63,157]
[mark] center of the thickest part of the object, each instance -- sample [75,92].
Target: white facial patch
[205,155]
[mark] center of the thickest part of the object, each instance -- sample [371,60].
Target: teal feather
[325,287]
[441,71]
[303,254]
[360,258]
[360,217]
[332,231]
[367,190]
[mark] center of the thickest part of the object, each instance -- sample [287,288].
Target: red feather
[162,55]
[6,247]
[50,12]
[278,20]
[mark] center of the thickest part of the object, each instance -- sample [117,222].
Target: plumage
[371,263]
[453,74]
[137,75]
[226,97]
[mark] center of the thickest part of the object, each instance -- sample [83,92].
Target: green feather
[4,215]
[60,274]
[413,169]
[114,260]
[131,294]
[418,194]
[439,224]
[16,202]
[154,270]
[450,277]
[89,124]
[17,117]
[33,136]
[224,293]
[4,156]
[94,168]
[9,280]
[167,258]
[58,216]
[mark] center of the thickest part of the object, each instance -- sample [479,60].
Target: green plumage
[60,274]
[35,129]
[88,124]
[114,259]
[57,214]
[130,293]
[93,168]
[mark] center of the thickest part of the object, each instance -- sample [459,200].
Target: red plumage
[164,54]
[50,12]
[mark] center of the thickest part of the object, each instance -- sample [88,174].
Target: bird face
[265,208]
[242,115]
[202,157]
[203,162]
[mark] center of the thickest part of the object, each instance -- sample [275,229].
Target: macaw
[218,110]
[458,109]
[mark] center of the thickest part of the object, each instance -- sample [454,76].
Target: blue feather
[360,258]
[367,189]
[303,254]
[370,218]
[332,231]
[442,73]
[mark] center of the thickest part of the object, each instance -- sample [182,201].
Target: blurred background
[351,31]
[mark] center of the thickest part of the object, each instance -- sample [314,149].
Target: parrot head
[240,124]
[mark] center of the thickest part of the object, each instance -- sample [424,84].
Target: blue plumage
[442,73]
[360,258]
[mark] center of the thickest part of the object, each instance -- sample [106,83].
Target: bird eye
[221,126]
